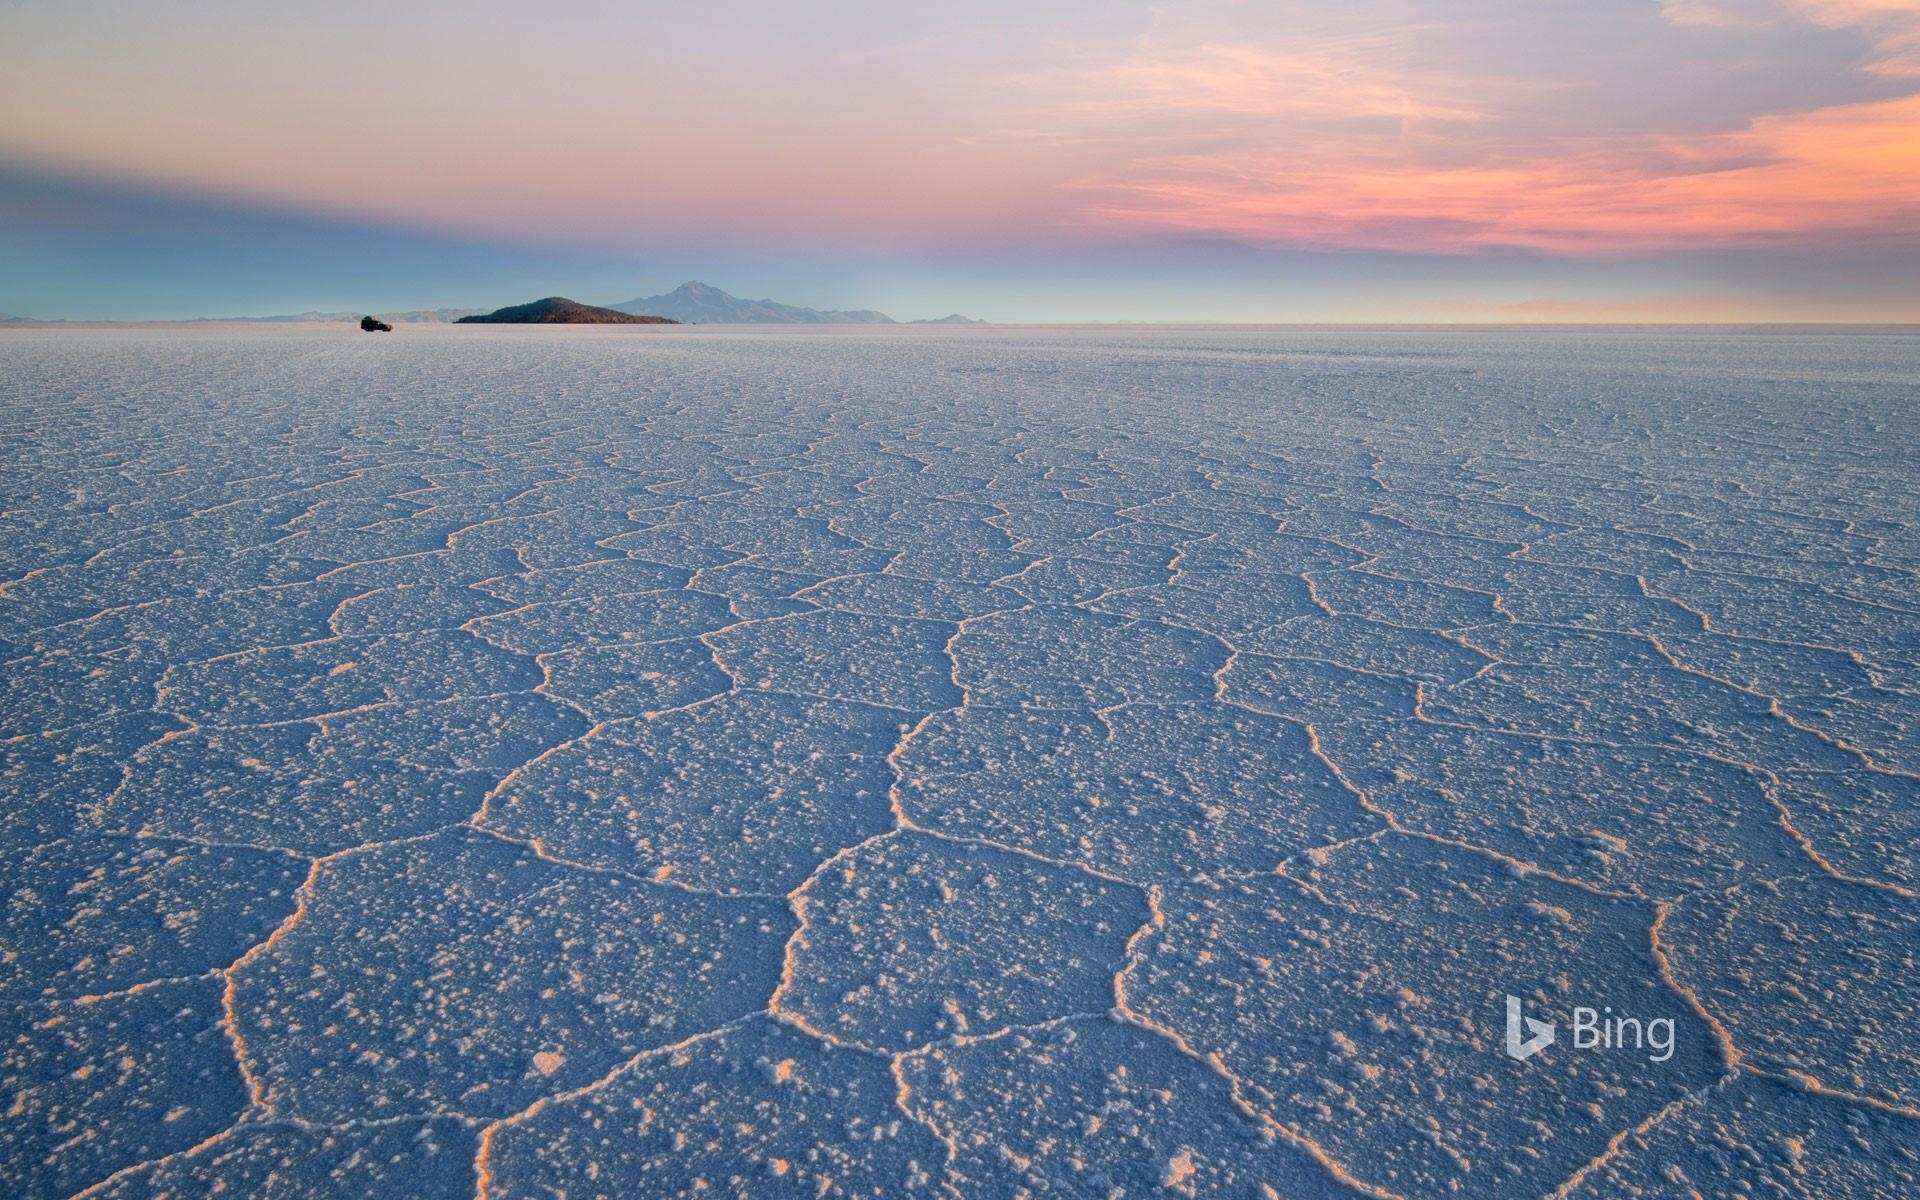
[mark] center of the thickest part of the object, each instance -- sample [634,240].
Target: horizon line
[25,323]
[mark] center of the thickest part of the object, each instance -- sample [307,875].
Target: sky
[1365,160]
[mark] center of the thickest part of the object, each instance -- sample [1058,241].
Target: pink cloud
[1850,171]
[1373,142]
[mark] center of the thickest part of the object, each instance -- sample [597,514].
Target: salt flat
[958,763]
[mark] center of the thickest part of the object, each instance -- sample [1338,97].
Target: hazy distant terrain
[1084,764]
[691,303]
[703,304]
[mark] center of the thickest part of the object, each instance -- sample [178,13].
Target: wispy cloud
[1893,25]
[1384,142]
[1723,14]
[1343,77]
[1851,171]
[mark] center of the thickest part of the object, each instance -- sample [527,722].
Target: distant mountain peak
[702,303]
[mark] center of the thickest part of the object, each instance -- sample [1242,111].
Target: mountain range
[696,303]
[704,304]
[692,303]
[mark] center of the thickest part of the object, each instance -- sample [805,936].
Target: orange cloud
[1291,148]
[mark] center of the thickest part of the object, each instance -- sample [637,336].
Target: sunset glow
[1092,136]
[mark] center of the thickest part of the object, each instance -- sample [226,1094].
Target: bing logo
[1540,1033]
[1592,1030]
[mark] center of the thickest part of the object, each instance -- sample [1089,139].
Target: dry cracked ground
[962,764]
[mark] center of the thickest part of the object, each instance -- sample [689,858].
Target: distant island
[558,310]
[949,319]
